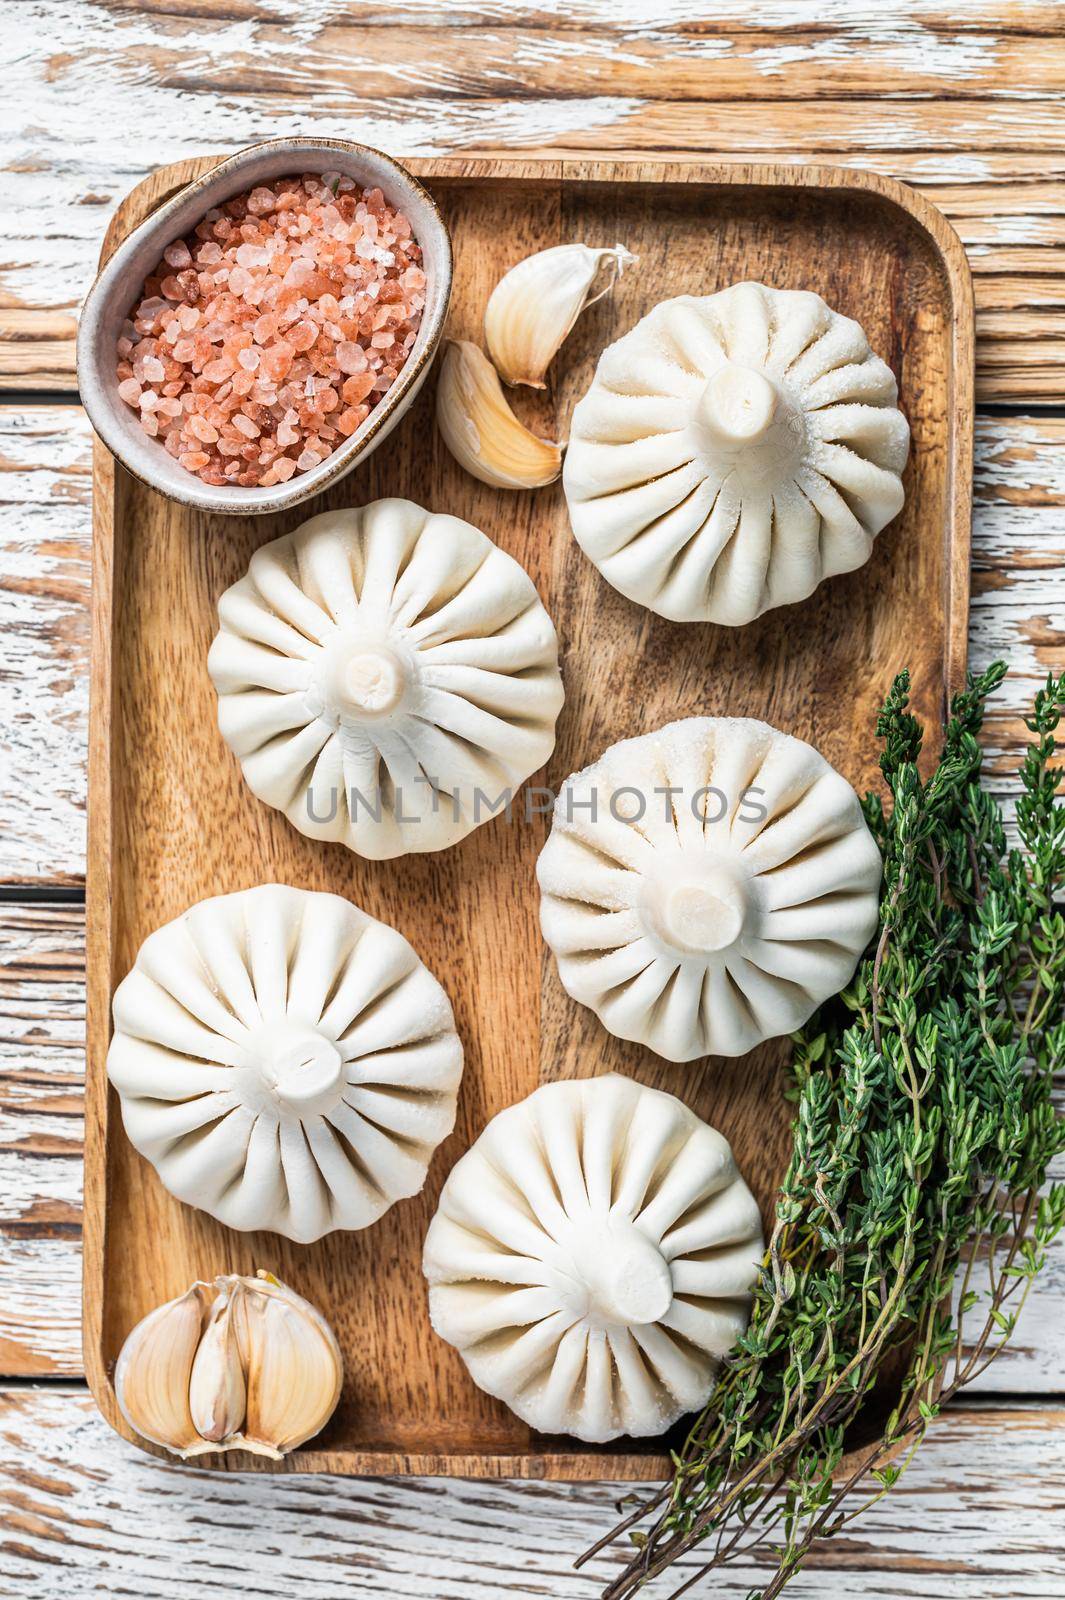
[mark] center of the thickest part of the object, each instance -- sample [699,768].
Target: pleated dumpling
[284,1061]
[593,1258]
[733,450]
[384,676]
[707,886]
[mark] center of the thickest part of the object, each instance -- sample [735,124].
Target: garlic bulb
[243,1364]
[534,306]
[481,430]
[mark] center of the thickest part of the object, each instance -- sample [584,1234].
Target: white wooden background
[964,100]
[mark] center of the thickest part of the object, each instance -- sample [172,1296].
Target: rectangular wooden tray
[171,820]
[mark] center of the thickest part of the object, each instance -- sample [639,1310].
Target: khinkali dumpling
[593,1258]
[284,1061]
[733,450]
[384,675]
[707,886]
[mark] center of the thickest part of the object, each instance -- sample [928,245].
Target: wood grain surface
[42,1003]
[963,100]
[161,837]
[1018,594]
[976,1518]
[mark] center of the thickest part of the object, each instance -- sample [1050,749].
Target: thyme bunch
[923,1135]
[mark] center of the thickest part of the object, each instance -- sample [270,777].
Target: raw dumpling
[384,675]
[593,1258]
[284,1061]
[707,886]
[733,450]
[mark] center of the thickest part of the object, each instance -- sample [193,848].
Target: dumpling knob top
[284,1061]
[593,1258]
[385,675]
[706,886]
[732,451]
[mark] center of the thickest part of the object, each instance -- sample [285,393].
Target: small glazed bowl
[117,288]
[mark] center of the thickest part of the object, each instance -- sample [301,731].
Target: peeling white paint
[45,534]
[35,1188]
[944,166]
[99,1515]
[40,1302]
[956,57]
[116,91]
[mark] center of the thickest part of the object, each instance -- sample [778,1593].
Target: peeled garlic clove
[533,307]
[217,1393]
[154,1369]
[481,431]
[292,1365]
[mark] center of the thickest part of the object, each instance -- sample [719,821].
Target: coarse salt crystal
[275,326]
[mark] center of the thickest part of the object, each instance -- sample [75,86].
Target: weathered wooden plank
[40,1307]
[1018,613]
[44,622]
[853,20]
[37,348]
[571,54]
[42,1067]
[972,113]
[977,1513]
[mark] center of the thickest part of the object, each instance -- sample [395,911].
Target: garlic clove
[534,306]
[481,430]
[217,1392]
[292,1362]
[153,1372]
[243,1364]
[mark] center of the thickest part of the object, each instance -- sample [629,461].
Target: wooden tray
[171,820]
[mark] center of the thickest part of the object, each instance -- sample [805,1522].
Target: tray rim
[547,1463]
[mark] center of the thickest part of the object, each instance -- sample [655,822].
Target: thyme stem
[922,1141]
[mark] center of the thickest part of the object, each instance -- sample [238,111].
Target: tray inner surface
[185,826]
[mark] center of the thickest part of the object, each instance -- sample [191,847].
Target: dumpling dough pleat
[740,898]
[558,1269]
[284,1061]
[732,451]
[379,667]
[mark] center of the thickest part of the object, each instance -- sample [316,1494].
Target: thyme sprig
[923,1135]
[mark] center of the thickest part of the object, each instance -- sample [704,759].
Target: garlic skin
[481,430]
[533,307]
[293,1365]
[243,1364]
[218,1395]
[154,1371]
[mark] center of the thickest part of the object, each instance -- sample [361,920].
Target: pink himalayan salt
[263,338]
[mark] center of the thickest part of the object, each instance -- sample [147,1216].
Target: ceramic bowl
[118,285]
